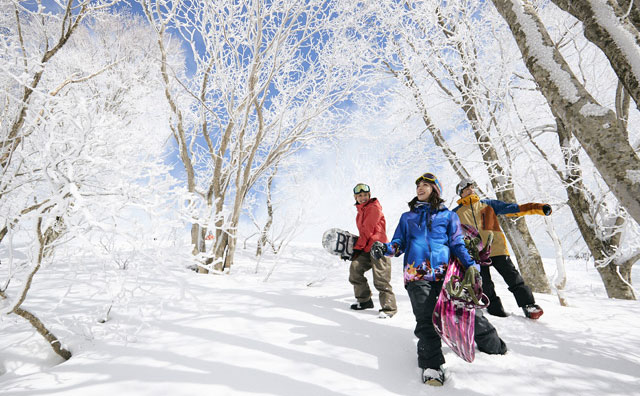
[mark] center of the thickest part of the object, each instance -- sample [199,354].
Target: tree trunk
[231,251]
[598,28]
[617,284]
[178,130]
[579,203]
[561,278]
[44,332]
[264,239]
[221,249]
[35,322]
[634,11]
[595,127]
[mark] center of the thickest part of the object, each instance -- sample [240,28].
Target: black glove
[356,253]
[378,249]
[394,249]
[546,209]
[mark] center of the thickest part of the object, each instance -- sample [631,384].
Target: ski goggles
[361,187]
[464,183]
[428,177]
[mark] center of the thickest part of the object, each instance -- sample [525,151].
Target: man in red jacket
[371,227]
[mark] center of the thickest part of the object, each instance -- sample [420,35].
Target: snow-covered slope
[174,332]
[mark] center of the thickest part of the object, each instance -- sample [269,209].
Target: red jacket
[371,225]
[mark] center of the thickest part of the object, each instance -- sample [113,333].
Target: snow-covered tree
[605,227]
[609,25]
[441,51]
[574,106]
[268,78]
[81,148]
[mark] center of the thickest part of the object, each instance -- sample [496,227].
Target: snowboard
[339,242]
[454,315]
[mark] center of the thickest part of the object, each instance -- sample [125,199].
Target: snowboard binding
[479,251]
[466,292]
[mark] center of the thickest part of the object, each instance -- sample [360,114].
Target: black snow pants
[423,296]
[512,278]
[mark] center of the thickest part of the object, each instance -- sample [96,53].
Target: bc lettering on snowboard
[339,242]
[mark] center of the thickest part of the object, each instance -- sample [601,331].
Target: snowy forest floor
[171,331]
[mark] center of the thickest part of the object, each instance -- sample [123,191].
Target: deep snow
[174,332]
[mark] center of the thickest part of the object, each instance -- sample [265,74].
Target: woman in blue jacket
[427,234]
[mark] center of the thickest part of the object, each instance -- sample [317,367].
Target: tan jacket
[482,214]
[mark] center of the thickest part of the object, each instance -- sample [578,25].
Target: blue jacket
[427,237]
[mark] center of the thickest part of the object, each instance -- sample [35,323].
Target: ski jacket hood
[371,224]
[483,215]
[428,238]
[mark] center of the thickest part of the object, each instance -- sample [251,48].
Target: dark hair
[434,200]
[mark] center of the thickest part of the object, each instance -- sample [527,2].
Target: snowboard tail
[339,242]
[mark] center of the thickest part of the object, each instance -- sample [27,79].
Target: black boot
[495,308]
[362,305]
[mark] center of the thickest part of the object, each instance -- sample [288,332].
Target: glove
[378,249]
[484,255]
[394,249]
[546,209]
[477,280]
[356,253]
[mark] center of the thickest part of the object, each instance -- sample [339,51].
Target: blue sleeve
[399,238]
[502,208]
[456,242]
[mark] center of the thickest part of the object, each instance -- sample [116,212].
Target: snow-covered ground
[171,331]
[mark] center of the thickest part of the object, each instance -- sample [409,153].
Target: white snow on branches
[593,110]
[606,18]
[633,175]
[544,54]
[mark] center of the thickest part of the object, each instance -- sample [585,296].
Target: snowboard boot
[503,347]
[359,306]
[433,377]
[495,308]
[532,311]
[385,315]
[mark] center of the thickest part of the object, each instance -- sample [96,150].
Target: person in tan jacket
[482,214]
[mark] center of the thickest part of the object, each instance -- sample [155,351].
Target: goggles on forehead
[429,177]
[464,183]
[361,187]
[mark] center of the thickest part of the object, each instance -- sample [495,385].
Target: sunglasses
[428,177]
[361,187]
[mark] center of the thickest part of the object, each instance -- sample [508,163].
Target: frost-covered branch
[614,157]
[606,26]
